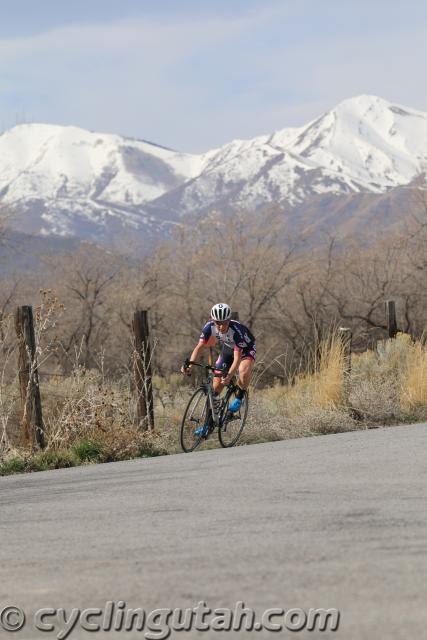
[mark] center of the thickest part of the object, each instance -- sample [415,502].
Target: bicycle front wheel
[195,418]
[231,424]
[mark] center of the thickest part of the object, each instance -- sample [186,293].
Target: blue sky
[193,75]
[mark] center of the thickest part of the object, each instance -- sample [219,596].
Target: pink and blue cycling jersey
[237,338]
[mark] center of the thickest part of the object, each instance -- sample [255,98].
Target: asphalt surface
[336,521]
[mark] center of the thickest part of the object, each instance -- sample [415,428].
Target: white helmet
[221,312]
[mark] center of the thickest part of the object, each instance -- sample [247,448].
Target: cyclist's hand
[226,379]
[186,369]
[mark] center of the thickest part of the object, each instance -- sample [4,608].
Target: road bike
[206,413]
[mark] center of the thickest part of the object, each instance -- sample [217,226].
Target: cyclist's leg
[245,370]
[222,365]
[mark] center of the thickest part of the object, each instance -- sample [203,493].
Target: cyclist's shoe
[233,409]
[202,431]
[235,405]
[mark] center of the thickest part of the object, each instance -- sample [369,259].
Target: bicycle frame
[210,393]
[208,414]
[208,386]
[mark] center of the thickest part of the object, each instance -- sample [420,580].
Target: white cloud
[196,83]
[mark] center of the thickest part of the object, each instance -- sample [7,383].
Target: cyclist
[238,350]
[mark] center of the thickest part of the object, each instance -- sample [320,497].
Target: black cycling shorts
[226,357]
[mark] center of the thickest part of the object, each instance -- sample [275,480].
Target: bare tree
[8,292]
[83,281]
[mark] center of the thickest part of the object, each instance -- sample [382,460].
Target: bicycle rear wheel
[231,427]
[195,417]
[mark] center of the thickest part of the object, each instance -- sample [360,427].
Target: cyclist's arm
[194,356]
[206,340]
[197,351]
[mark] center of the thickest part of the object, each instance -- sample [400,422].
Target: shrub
[40,461]
[15,464]
[88,451]
[46,460]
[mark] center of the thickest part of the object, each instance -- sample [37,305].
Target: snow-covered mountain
[70,182]
[365,144]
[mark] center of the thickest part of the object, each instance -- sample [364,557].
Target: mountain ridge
[69,182]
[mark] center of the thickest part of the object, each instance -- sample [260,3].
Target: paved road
[334,521]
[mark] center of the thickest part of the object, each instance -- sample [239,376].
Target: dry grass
[328,379]
[413,388]
[387,385]
[314,402]
[390,383]
[89,418]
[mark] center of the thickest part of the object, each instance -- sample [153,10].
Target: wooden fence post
[142,369]
[32,419]
[390,311]
[346,338]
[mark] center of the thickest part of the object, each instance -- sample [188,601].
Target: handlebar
[205,366]
[197,364]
